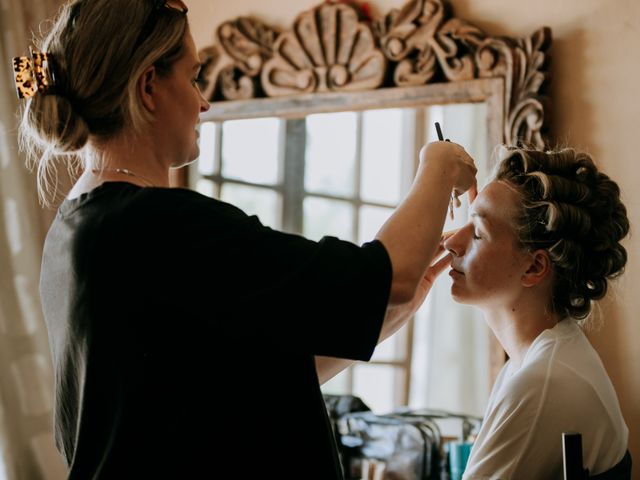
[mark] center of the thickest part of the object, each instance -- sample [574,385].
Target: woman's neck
[132,159]
[517,326]
[125,160]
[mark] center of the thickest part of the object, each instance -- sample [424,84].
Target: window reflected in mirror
[263,202]
[382,142]
[342,174]
[327,217]
[208,143]
[250,150]
[331,153]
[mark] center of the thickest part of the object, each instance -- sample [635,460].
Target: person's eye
[476,236]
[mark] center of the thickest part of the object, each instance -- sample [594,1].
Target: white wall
[596,107]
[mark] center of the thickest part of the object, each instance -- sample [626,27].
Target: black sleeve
[227,269]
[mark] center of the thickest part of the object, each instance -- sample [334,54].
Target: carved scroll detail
[424,42]
[420,38]
[332,48]
[234,67]
[522,63]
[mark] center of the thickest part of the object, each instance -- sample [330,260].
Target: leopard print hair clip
[35,75]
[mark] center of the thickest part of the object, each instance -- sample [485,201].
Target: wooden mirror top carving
[336,47]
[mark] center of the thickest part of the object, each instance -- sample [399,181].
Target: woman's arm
[395,317]
[412,232]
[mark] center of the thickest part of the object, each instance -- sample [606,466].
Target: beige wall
[596,106]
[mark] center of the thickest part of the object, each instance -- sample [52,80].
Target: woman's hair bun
[574,211]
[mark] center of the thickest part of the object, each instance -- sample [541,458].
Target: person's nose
[455,244]
[204,104]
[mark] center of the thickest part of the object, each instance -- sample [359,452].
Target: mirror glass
[341,174]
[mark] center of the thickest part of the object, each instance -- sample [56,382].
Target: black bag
[407,443]
[337,407]
[408,446]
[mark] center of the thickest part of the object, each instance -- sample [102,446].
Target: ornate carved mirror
[316,128]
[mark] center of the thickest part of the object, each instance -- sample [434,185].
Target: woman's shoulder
[185,207]
[121,202]
[560,366]
[122,212]
[174,200]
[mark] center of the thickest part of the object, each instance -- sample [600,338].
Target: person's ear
[147,88]
[540,267]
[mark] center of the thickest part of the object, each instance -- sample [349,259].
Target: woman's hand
[454,159]
[412,233]
[398,315]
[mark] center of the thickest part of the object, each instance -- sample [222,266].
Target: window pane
[250,150]
[327,217]
[466,124]
[381,155]
[206,187]
[208,144]
[331,153]
[371,219]
[262,202]
[378,386]
[393,349]
[338,385]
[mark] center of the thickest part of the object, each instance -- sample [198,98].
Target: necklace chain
[124,171]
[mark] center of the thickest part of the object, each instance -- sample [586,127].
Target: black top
[183,333]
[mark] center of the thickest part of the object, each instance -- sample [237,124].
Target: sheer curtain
[27,450]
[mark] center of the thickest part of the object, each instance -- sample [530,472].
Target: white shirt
[561,386]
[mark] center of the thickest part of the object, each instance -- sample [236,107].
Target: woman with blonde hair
[160,374]
[542,244]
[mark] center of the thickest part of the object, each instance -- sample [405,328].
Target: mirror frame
[337,58]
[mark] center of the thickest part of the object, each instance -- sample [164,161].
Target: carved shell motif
[329,49]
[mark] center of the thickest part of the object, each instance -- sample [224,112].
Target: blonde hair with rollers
[573,211]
